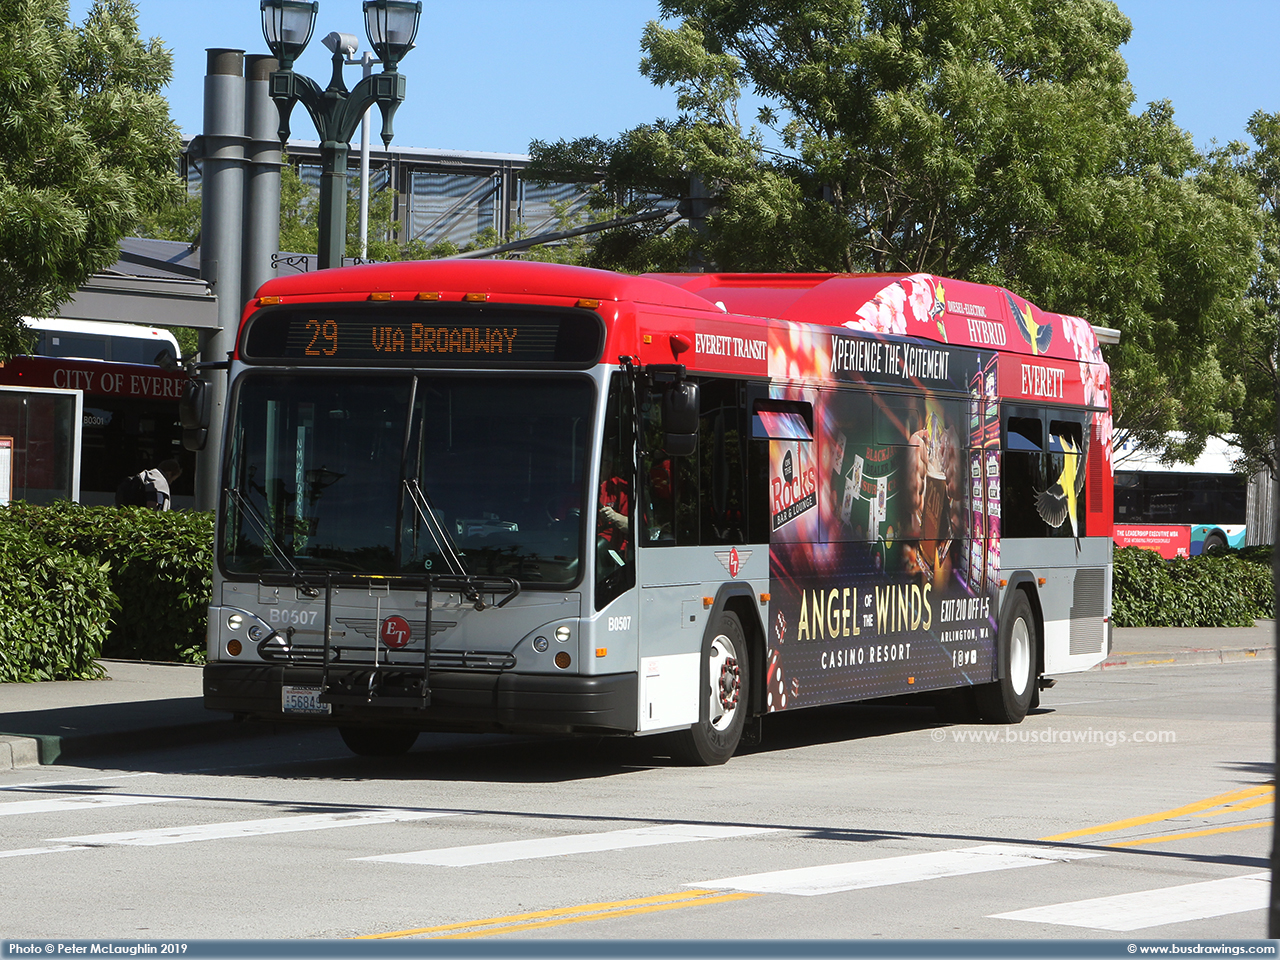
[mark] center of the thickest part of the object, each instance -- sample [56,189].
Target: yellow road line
[606,915]
[687,898]
[1247,805]
[1194,833]
[1199,805]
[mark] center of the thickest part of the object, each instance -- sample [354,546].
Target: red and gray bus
[508,496]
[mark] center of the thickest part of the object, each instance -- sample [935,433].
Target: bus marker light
[602,651]
[234,647]
[589,303]
[380,295]
[434,295]
[562,633]
[708,601]
[269,301]
[475,297]
[563,660]
[1042,581]
[911,679]
[764,598]
[647,338]
[1004,583]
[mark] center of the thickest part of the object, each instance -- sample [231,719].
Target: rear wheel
[1008,699]
[726,688]
[378,741]
[1215,543]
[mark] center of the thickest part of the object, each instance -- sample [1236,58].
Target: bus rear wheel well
[749,616]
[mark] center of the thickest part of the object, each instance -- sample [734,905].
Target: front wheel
[378,741]
[1008,699]
[725,690]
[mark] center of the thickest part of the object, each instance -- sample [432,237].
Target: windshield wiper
[439,534]
[249,511]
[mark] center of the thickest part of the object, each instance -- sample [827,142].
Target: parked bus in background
[1182,510]
[512,496]
[129,415]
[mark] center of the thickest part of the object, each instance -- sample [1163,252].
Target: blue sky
[492,75]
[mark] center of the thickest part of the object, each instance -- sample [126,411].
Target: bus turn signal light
[563,660]
[602,651]
[475,297]
[708,601]
[588,303]
[269,301]
[432,295]
[380,295]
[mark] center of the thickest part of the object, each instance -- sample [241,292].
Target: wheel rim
[726,682]
[1020,656]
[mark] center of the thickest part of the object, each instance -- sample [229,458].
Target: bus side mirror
[193,411]
[680,418]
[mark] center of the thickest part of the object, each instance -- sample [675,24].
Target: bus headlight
[256,632]
[562,633]
[234,621]
[540,644]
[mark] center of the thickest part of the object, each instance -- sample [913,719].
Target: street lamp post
[287,26]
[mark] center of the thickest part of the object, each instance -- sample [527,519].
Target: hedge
[55,610]
[1220,590]
[159,566]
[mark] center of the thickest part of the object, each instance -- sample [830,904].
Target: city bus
[1181,509]
[129,413]
[522,497]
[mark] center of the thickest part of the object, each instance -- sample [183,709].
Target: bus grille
[1087,609]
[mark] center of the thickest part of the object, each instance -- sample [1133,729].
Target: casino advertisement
[885,521]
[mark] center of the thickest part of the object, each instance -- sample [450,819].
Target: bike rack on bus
[467,586]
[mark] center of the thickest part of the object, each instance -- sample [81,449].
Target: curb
[30,750]
[1185,657]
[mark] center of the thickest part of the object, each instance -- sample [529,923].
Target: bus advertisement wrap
[876,587]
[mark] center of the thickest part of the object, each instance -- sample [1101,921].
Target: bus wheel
[713,740]
[1008,699]
[1214,543]
[378,741]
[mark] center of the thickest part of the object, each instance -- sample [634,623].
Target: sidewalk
[145,705]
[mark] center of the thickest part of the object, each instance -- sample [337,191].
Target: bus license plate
[303,699]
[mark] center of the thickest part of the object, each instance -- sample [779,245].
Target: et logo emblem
[733,559]
[394,632]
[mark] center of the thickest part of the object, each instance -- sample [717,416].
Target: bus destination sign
[450,334]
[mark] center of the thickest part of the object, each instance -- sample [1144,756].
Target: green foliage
[55,610]
[986,140]
[159,565]
[1207,591]
[1256,351]
[88,149]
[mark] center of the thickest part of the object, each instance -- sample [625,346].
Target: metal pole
[367,62]
[262,176]
[333,204]
[221,218]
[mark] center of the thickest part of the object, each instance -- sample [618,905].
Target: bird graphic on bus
[1039,335]
[1060,502]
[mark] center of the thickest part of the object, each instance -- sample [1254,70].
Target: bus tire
[378,741]
[726,698]
[1008,699]
[1214,543]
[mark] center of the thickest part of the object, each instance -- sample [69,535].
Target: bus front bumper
[471,701]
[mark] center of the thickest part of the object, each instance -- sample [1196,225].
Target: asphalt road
[1136,803]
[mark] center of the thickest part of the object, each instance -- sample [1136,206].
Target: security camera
[345,43]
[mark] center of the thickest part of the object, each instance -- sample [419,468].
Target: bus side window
[615,509]
[721,464]
[1022,477]
[1066,438]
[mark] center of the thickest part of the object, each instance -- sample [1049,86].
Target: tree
[1258,349]
[88,149]
[987,140]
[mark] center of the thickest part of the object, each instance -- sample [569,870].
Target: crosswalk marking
[860,874]
[33,851]
[562,846]
[1154,908]
[61,804]
[250,828]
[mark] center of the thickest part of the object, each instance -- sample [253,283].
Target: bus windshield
[391,474]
